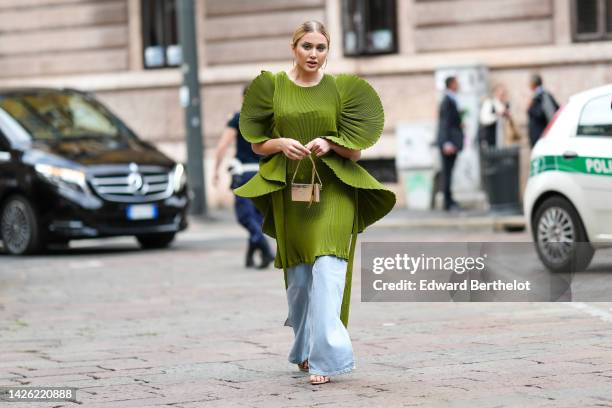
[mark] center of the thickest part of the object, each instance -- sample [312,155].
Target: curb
[514,222]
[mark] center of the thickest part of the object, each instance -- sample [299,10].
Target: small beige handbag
[307,192]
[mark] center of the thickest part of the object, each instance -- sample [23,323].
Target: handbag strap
[314,172]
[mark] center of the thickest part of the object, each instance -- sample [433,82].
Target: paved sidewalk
[190,327]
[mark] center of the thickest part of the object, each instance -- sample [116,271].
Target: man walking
[541,109]
[243,167]
[450,138]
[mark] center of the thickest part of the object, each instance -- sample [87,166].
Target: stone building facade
[105,47]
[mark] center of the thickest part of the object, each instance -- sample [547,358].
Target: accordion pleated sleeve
[343,109]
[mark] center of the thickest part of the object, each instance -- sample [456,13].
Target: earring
[324,65]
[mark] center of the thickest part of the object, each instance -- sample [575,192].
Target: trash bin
[500,176]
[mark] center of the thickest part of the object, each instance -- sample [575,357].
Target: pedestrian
[450,138]
[494,113]
[243,167]
[541,110]
[311,128]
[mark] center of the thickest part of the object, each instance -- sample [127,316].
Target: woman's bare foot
[319,379]
[303,366]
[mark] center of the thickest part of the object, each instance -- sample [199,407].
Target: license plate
[142,212]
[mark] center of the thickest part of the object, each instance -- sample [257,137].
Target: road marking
[593,311]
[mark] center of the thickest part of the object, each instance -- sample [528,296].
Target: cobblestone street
[191,327]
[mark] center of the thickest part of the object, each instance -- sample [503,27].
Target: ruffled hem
[362,118]
[257,113]
[374,200]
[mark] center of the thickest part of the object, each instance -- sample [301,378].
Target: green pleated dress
[343,109]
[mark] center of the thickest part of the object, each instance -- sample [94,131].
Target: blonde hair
[311,26]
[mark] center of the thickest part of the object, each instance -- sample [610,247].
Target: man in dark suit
[541,109]
[450,138]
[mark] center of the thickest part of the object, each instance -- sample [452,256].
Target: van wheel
[155,241]
[560,237]
[20,227]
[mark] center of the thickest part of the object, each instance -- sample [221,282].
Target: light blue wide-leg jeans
[314,295]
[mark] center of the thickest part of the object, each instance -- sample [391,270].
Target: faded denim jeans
[314,295]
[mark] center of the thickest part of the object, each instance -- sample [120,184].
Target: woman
[305,114]
[494,114]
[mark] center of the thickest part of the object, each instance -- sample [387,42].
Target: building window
[592,20]
[370,27]
[160,34]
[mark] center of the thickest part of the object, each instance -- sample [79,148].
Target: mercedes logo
[136,183]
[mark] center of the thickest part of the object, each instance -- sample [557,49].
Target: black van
[70,169]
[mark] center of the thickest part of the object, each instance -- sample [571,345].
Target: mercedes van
[71,169]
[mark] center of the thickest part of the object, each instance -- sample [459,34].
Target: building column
[562,19]
[333,15]
[135,55]
[405,26]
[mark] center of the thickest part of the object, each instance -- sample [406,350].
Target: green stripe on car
[599,166]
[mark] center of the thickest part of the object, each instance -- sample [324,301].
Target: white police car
[568,199]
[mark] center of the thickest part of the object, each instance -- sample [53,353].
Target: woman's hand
[293,149]
[319,146]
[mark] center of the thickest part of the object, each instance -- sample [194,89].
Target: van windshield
[56,116]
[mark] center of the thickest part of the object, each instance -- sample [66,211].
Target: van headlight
[64,177]
[179,177]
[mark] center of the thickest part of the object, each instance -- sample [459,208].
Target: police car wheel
[156,241]
[19,227]
[560,237]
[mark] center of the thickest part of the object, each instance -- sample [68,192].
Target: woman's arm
[351,154]
[321,146]
[290,148]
